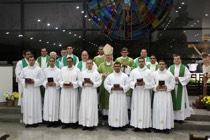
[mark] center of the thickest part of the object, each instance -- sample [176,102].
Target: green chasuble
[24,63]
[136,64]
[103,93]
[129,61]
[79,65]
[177,100]
[98,60]
[59,59]
[40,61]
[156,67]
[65,60]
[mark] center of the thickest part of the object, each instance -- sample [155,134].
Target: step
[10,117]
[193,125]
[10,110]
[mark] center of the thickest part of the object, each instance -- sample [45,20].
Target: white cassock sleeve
[76,82]
[98,81]
[149,82]
[132,79]
[18,70]
[126,86]
[22,78]
[38,81]
[171,83]
[187,76]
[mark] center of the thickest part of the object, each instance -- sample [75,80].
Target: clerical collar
[70,68]
[108,63]
[178,65]
[142,69]
[161,71]
[69,55]
[123,57]
[52,68]
[32,67]
[90,70]
[100,56]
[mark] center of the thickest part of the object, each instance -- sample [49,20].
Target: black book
[161,83]
[139,80]
[50,79]
[28,79]
[87,79]
[116,85]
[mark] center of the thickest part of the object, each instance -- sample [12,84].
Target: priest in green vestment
[70,54]
[143,53]
[19,66]
[105,69]
[100,57]
[179,95]
[63,53]
[43,59]
[58,64]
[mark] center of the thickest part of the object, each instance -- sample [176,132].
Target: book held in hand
[140,80]
[28,80]
[116,85]
[87,80]
[50,79]
[161,83]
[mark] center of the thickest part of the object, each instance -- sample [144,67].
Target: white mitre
[108,49]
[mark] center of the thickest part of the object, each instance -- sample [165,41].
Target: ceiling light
[31,38]
[7,33]
[20,35]
[56,28]
[77,7]
[38,20]
[206,15]
[48,24]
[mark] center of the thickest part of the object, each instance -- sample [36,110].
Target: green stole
[136,63]
[24,63]
[65,59]
[177,101]
[59,59]
[56,64]
[79,66]
[40,61]
[148,66]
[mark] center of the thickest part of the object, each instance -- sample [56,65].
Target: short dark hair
[117,63]
[69,58]
[162,61]
[52,58]
[124,49]
[25,51]
[90,60]
[176,55]
[141,58]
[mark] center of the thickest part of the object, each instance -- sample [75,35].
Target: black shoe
[65,126]
[26,126]
[111,128]
[75,126]
[122,128]
[84,128]
[148,130]
[167,131]
[156,130]
[55,124]
[50,124]
[136,129]
[180,122]
[90,128]
[35,125]
[176,121]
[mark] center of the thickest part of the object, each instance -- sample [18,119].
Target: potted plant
[10,98]
[206,101]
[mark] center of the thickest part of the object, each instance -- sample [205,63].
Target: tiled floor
[18,132]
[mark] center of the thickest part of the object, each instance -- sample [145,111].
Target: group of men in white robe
[62,100]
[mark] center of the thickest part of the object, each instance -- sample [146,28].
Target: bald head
[84,56]
[53,54]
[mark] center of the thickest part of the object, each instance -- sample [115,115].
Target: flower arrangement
[11,96]
[206,100]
